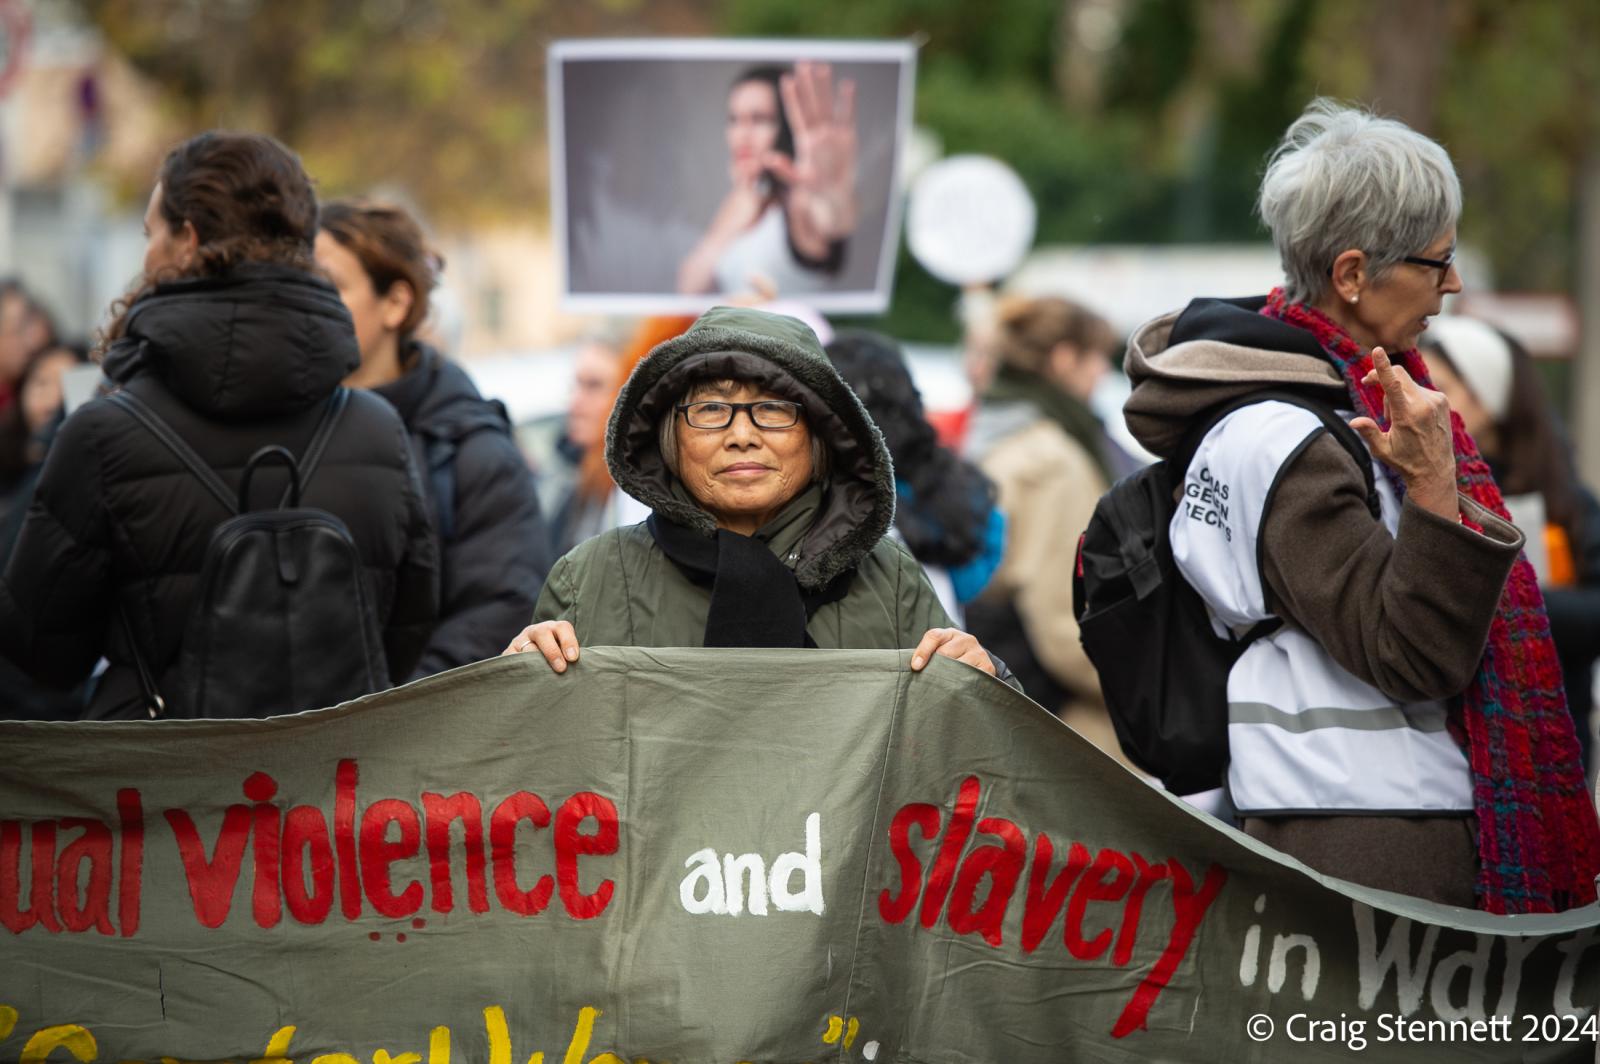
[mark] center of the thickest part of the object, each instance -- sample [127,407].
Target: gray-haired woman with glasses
[1403,725]
[771,492]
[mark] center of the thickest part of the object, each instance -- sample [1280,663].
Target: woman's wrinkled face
[752,123]
[165,249]
[742,475]
[1394,310]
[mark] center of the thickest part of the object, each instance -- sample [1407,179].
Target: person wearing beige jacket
[1036,438]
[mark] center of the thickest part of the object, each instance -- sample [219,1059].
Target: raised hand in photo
[821,177]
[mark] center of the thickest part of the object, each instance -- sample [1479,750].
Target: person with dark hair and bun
[235,342]
[494,549]
[1493,384]
[1036,437]
[945,508]
[785,221]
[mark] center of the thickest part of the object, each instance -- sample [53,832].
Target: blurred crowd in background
[1140,128]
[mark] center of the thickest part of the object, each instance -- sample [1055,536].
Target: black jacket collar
[259,342]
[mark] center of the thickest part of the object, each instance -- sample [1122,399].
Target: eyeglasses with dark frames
[765,414]
[1442,265]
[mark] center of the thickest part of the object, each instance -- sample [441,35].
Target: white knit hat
[1481,357]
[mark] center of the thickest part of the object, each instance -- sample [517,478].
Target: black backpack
[1163,669]
[283,620]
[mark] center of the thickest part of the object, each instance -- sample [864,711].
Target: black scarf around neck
[755,599]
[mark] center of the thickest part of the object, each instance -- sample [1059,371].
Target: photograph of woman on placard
[786,220]
[685,173]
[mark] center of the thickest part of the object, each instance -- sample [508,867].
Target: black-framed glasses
[1442,265]
[765,414]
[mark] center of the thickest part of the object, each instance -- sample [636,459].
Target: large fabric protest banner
[694,855]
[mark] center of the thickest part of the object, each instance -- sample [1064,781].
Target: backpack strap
[1355,447]
[439,452]
[1141,560]
[440,445]
[1336,426]
[1348,438]
[158,428]
[173,442]
[319,443]
[154,704]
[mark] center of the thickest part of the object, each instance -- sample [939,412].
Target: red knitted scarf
[1538,836]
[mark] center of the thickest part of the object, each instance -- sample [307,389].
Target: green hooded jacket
[619,589]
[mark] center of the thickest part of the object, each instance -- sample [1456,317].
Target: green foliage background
[1167,141]
[1154,127]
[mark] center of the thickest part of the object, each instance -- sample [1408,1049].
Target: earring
[1355,299]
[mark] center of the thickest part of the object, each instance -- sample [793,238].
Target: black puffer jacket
[494,551]
[232,364]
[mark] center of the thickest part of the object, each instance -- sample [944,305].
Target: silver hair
[667,434]
[1344,178]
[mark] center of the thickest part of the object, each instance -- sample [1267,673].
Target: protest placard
[688,172]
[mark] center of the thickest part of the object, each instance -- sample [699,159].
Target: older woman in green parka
[771,491]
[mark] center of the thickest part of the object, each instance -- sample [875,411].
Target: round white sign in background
[970,219]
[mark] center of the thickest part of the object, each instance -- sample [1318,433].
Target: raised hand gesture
[822,175]
[1417,444]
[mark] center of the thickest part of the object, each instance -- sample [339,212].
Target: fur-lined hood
[784,355]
